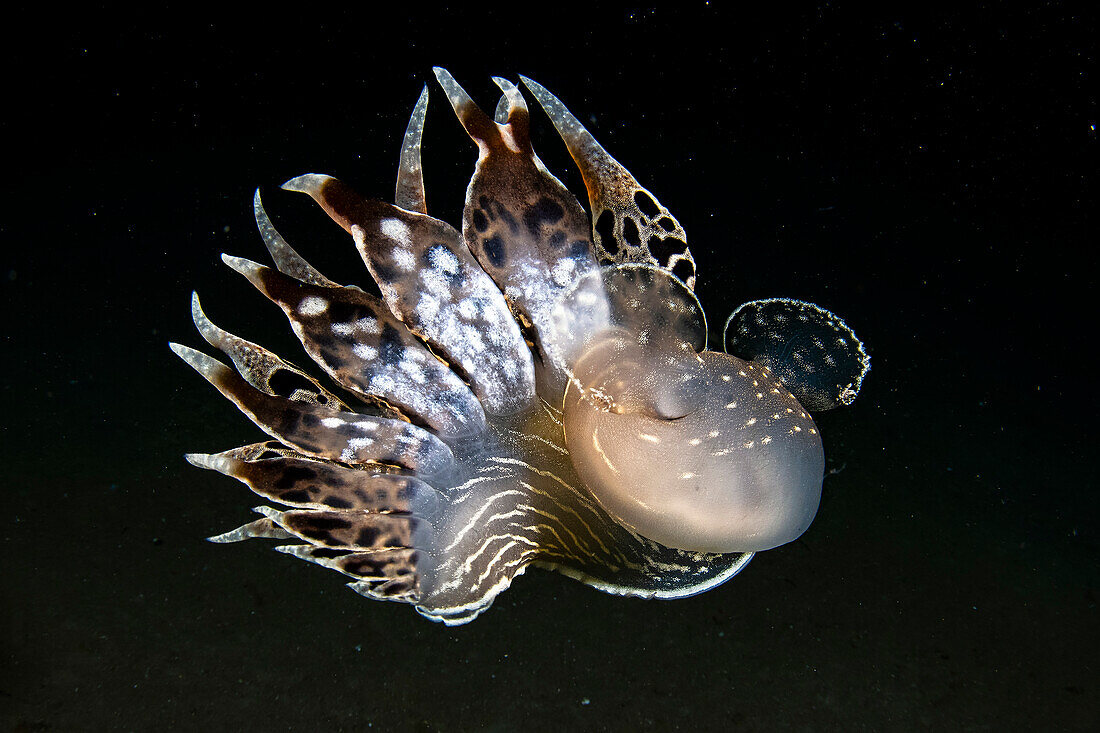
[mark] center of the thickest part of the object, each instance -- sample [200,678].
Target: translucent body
[696,451]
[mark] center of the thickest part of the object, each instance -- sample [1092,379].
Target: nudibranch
[534,389]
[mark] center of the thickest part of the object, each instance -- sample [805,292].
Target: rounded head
[697,451]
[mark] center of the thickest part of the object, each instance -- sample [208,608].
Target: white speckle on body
[382,384]
[562,272]
[467,308]
[312,306]
[444,259]
[396,230]
[403,259]
[414,370]
[427,307]
[362,325]
[354,446]
[364,352]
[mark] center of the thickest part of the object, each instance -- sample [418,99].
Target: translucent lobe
[308,483]
[367,525]
[810,349]
[347,437]
[381,551]
[410,172]
[524,227]
[695,451]
[430,280]
[655,307]
[263,369]
[286,258]
[353,530]
[629,224]
[354,338]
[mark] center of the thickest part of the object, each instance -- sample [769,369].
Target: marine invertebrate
[534,389]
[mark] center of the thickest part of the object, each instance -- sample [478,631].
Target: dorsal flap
[810,350]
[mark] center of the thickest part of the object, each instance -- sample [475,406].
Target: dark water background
[931,178]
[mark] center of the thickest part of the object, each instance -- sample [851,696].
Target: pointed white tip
[200,362]
[310,183]
[531,84]
[215,462]
[444,77]
[183,352]
[199,460]
[197,314]
[504,84]
[269,512]
[246,267]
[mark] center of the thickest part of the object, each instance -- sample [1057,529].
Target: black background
[929,177]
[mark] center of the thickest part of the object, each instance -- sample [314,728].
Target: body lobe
[702,452]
